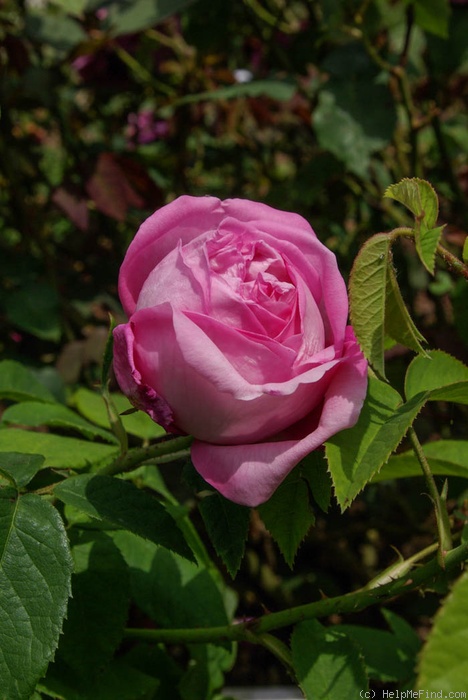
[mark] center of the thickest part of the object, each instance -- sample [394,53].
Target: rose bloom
[237,335]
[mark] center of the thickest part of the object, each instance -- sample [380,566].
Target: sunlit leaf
[442,666]
[437,371]
[356,454]
[34,414]
[58,451]
[17,383]
[446,457]
[367,298]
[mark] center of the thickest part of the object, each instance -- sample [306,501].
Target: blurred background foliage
[111,108]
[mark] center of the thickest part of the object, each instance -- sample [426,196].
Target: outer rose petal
[249,474]
[129,378]
[185,219]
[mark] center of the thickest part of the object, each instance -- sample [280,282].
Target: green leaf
[56,29]
[408,639]
[384,659]
[442,665]
[58,451]
[446,458]
[433,16]
[437,371]
[91,405]
[338,132]
[127,18]
[204,674]
[35,573]
[124,505]
[274,89]
[174,592]
[367,298]
[314,469]
[420,198]
[17,383]
[426,245]
[327,663]
[72,7]
[20,467]
[98,609]
[356,454]
[227,525]
[34,414]
[398,323]
[288,515]
[465,251]
[117,680]
[35,308]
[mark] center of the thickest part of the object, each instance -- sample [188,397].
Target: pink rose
[237,335]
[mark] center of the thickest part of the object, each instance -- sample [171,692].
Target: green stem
[252,630]
[442,518]
[141,455]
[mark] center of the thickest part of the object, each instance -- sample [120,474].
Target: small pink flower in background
[143,128]
[238,335]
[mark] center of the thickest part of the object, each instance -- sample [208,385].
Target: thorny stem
[253,630]
[442,518]
[141,455]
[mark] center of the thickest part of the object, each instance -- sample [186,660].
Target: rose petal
[249,474]
[129,378]
[181,220]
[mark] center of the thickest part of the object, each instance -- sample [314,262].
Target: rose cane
[237,335]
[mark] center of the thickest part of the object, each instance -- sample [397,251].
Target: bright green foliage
[20,467]
[288,514]
[446,457]
[377,309]
[91,405]
[356,454]
[438,371]
[367,296]
[58,451]
[442,665]
[327,662]
[35,572]
[420,198]
[399,326]
[465,250]
[227,525]
[55,415]
[124,505]
[17,383]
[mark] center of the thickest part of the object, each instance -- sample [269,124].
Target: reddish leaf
[74,206]
[110,188]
